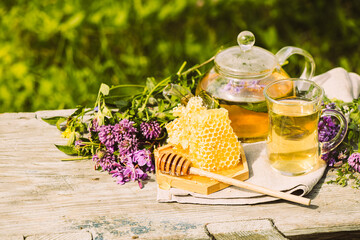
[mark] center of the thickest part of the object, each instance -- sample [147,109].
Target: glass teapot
[238,78]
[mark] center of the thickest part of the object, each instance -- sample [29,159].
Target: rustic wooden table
[42,197]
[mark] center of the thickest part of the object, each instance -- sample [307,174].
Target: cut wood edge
[81,235]
[244,229]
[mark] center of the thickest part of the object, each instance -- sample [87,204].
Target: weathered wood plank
[61,236]
[40,194]
[12,237]
[348,235]
[255,229]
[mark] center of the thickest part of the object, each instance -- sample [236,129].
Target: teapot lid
[245,60]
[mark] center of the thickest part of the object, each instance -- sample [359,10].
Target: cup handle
[333,143]
[309,68]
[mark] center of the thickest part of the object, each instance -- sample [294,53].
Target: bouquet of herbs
[121,132]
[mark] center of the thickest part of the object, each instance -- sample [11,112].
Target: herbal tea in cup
[293,147]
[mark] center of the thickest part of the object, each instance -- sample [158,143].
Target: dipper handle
[176,164]
[250,186]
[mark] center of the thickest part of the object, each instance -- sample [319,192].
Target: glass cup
[294,107]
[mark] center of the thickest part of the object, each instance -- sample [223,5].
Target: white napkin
[337,83]
[340,84]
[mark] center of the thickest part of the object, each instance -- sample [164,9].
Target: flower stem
[181,68]
[151,92]
[75,159]
[90,143]
[123,86]
[198,66]
[178,73]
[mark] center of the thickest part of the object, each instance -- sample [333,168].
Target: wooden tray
[199,184]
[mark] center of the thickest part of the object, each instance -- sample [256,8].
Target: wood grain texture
[61,236]
[40,194]
[254,229]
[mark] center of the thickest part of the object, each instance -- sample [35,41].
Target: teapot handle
[309,68]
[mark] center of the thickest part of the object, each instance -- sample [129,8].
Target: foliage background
[54,54]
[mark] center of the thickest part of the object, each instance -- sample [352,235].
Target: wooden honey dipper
[175,164]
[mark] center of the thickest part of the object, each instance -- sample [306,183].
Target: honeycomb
[204,136]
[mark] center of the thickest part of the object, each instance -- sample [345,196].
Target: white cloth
[337,83]
[340,84]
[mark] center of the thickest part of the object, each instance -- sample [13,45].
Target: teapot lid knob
[245,61]
[246,40]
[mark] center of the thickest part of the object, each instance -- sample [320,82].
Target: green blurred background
[54,53]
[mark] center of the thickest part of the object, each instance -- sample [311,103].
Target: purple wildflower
[150,130]
[128,145]
[94,126]
[330,106]
[354,161]
[105,160]
[109,135]
[330,158]
[118,132]
[127,126]
[327,129]
[122,154]
[342,155]
[79,143]
[106,135]
[119,175]
[123,159]
[123,129]
[133,172]
[335,157]
[142,158]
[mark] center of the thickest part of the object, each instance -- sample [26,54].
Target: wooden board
[200,184]
[40,195]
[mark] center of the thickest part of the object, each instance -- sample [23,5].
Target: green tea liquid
[293,137]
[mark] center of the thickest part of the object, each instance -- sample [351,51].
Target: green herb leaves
[346,176]
[147,103]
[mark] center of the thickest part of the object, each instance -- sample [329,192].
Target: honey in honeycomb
[204,136]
